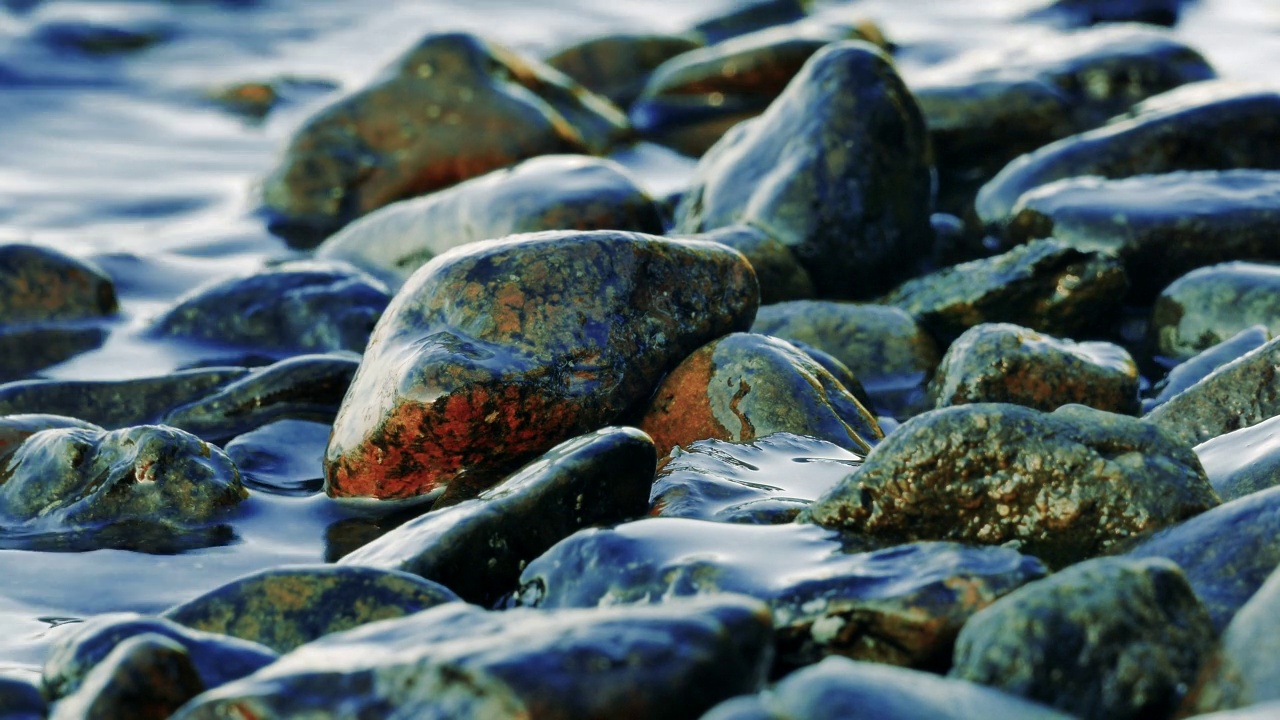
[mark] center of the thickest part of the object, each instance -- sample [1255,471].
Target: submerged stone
[557,192]
[478,547]
[745,386]
[1065,486]
[28,349]
[846,127]
[780,275]
[452,107]
[1244,461]
[1191,371]
[901,605]
[1245,668]
[618,66]
[1209,305]
[145,676]
[283,457]
[456,660]
[1108,638]
[494,353]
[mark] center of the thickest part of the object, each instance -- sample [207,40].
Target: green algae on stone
[1064,486]
[478,547]
[1045,285]
[452,107]
[744,386]
[1244,461]
[1245,668]
[837,169]
[1109,638]
[1209,305]
[555,192]
[618,66]
[780,275]
[459,661]
[145,676]
[287,607]
[493,353]
[1191,371]
[999,362]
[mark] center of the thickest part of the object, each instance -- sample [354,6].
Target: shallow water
[118,157]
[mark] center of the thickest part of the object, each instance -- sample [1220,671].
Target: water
[120,158]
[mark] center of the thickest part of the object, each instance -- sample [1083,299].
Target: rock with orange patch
[493,353]
[745,386]
[453,107]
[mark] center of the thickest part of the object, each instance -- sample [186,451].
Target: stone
[618,65]
[254,100]
[554,192]
[27,349]
[478,547]
[283,457]
[146,676]
[1191,371]
[493,353]
[285,608]
[1207,306]
[1065,486]
[452,107]
[1244,669]
[1091,12]
[1244,461]
[780,275]
[744,386]
[846,127]
[21,700]
[1045,285]
[749,17]
[1108,638]
[901,605]
[999,362]
[457,660]
[40,284]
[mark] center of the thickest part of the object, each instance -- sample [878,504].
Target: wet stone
[901,605]
[1045,285]
[478,547]
[618,66]
[1091,12]
[1191,371]
[764,482]
[451,108]
[1065,486]
[492,354]
[557,192]
[120,37]
[25,350]
[1109,638]
[293,307]
[39,284]
[838,370]
[284,608]
[146,676]
[255,100]
[745,386]
[1209,305]
[838,688]
[1244,461]
[998,362]
[217,659]
[284,457]
[457,660]
[845,127]
[1245,668]
[780,275]
[21,700]
[1203,126]
[751,16]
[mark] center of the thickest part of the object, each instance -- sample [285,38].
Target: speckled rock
[1109,638]
[744,386]
[839,689]
[284,608]
[27,349]
[493,353]
[555,192]
[1091,12]
[478,547]
[1209,305]
[452,107]
[15,429]
[39,284]
[217,658]
[1066,485]
[1245,668]
[1203,126]
[293,307]
[1191,371]
[750,16]
[21,700]
[1239,394]
[764,482]
[618,66]
[1244,461]
[147,677]
[1045,285]
[901,605]
[1226,553]
[780,274]
[457,661]
[846,127]
[998,362]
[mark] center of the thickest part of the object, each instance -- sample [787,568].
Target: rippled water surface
[117,156]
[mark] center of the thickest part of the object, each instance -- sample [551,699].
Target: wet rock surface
[1115,638]
[145,676]
[1210,305]
[1192,370]
[999,362]
[901,605]
[1244,669]
[618,66]
[1243,462]
[780,274]
[494,353]
[1065,486]
[21,700]
[1092,12]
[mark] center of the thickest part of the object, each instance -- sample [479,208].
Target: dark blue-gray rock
[284,457]
[1191,371]
[901,605]
[1243,462]
[456,660]
[554,192]
[294,307]
[1064,486]
[781,276]
[1074,13]
[764,482]
[1045,285]
[1244,669]
[617,66]
[1226,553]
[840,689]
[145,676]
[478,547]
[217,658]
[21,700]
[837,169]
[284,608]
[1109,638]
[1210,305]
[26,349]
[749,17]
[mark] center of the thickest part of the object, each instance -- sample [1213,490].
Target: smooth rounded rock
[780,274]
[39,284]
[617,66]
[1192,370]
[751,16]
[1243,462]
[1245,668]
[1091,12]
[1209,305]
[21,700]
[147,676]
